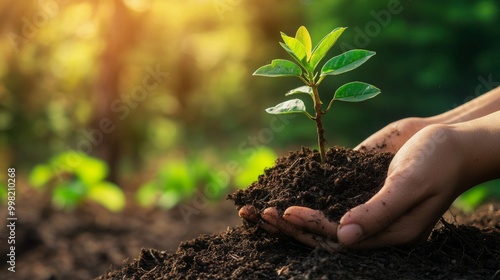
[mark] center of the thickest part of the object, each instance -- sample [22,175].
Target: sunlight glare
[138,5]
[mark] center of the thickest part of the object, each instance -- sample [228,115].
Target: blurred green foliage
[472,198]
[253,166]
[178,180]
[69,65]
[3,193]
[72,178]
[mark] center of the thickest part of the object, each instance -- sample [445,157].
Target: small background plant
[175,181]
[251,167]
[300,48]
[474,197]
[72,184]
[178,179]
[3,193]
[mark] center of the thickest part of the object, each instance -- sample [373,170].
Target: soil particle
[383,145]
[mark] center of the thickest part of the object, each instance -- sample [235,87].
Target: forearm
[476,108]
[394,135]
[479,142]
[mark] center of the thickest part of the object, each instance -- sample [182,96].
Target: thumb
[373,217]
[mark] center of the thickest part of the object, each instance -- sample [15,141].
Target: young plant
[177,181]
[300,48]
[73,178]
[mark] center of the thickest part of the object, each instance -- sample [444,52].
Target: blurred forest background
[159,94]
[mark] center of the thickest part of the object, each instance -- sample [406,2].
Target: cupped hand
[305,225]
[423,180]
[393,136]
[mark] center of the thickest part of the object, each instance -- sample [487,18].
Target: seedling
[300,48]
[73,177]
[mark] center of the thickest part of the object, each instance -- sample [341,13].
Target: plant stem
[319,122]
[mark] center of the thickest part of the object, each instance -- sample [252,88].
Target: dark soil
[89,241]
[246,252]
[452,252]
[347,179]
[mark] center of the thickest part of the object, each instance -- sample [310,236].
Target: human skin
[387,140]
[436,159]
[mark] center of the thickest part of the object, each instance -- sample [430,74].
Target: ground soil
[465,247]
[89,241]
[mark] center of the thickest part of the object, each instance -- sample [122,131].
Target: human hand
[394,135]
[423,180]
[308,226]
[390,138]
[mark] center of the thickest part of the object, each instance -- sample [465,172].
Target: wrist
[476,108]
[477,141]
[449,117]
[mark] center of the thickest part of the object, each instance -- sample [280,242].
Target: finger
[249,213]
[375,145]
[392,218]
[414,227]
[310,220]
[268,227]
[393,136]
[363,147]
[271,216]
[312,240]
[318,241]
[379,212]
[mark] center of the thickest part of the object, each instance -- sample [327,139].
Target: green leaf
[3,193]
[290,52]
[108,195]
[296,47]
[147,194]
[68,195]
[355,92]
[214,186]
[472,198]
[346,62]
[288,107]
[91,170]
[177,176]
[303,36]
[67,161]
[40,175]
[324,46]
[279,68]
[302,89]
[169,199]
[260,159]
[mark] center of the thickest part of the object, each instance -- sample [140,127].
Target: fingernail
[349,234]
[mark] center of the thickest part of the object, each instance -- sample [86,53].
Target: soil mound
[349,178]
